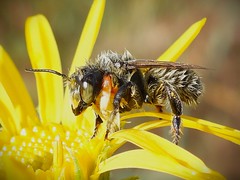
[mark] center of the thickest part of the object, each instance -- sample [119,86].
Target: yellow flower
[52,143]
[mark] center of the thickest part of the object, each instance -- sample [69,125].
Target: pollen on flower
[24,143]
[49,137]
[12,140]
[43,134]
[33,139]
[23,160]
[68,133]
[35,147]
[14,148]
[68,159]
[18,153]
[194,173]
[9,153]
[87,135]
[54,128]
[35,129]
[72,144]
[57,138]
[4,148]
[39,140]
[79,132]
[23,132]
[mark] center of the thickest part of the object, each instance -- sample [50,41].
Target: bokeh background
[146,29]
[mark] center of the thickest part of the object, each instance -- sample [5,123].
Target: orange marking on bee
[107,84]
[105,98]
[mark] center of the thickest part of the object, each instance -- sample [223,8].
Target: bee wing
[149,63]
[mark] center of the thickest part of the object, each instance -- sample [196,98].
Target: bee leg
[177,109]
[113,124]
[159,108]
[124,92]
[97,124]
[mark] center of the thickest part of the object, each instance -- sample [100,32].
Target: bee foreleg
[97,124]
[177,109]
[122,94]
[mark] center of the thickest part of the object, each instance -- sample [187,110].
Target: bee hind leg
[177,109]
[176,129]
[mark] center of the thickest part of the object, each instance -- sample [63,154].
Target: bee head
[83,86]
[81,92]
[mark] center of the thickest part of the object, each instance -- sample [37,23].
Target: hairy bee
[115,83]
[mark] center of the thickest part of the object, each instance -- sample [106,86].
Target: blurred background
[146,29]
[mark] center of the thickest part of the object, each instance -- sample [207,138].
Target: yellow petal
[147,160]
[158,145]
[143,126]
[78,173]
[86,121]
[64,169]
[43,52]
[57,157]
[16,90]
[146,114]
[89,34]
[153,124]
[8,117]
[182,43]
[224,132]
[14,169]
[4,136]
[83,52]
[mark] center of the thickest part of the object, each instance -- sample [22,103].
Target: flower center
[35,147]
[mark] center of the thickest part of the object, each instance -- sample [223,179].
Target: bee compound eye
[86,92]
[75,98]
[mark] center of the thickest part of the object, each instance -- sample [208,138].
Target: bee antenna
[49,71]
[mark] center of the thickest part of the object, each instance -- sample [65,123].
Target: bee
[115,83]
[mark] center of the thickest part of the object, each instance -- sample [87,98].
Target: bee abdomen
[186,83]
